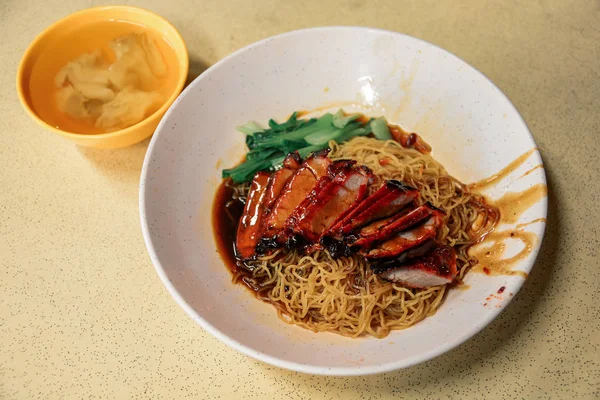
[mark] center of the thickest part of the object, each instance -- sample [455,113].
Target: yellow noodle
[342,295]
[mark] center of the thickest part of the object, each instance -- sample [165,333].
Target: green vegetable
[249,128]
[246,170]
[298,135]
[380,128]
[250,141]
[261,154]
[306,151]
[289,124]
[324,136]
[340,120]
[267,148]
[352,134]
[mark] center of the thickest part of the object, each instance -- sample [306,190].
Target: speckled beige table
[83,314]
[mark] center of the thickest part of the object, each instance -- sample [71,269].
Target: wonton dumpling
[129,107]
[131,59]
[85,69]
[115,95]
[94,91]
[72,102]
[155,60]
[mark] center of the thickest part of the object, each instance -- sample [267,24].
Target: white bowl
[474,131]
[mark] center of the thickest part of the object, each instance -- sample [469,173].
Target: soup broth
[83,40]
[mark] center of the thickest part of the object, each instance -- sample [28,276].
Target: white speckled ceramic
[474,131]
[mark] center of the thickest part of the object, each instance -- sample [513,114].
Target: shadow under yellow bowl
[84,32]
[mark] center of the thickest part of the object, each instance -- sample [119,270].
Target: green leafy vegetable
[380,128]
[349,135]
[261,153]
[249,128]
[324,136]
[267,148]
[246,170]
[340,119]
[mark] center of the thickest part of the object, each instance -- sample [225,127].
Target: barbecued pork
[277,181]
[391,197]
[382,230]
[436,267]
[293,193]
[388,200]
[409,254]
[248,231]
[405,239]
[345,186]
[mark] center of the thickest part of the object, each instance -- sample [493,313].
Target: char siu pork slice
[405,239]
[342,189]
[279,178]
[248,230]
[336,172]
[293,193]
[436,267]
[384,229]
[408,255]
[388,200]
[319,163]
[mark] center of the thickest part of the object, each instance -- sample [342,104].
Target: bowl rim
[299,367]
[185,62]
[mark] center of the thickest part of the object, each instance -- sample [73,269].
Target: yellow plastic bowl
[56,33]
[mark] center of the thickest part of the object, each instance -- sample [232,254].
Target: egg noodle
[342,295]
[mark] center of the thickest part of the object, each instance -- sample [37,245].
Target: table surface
[84,315]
